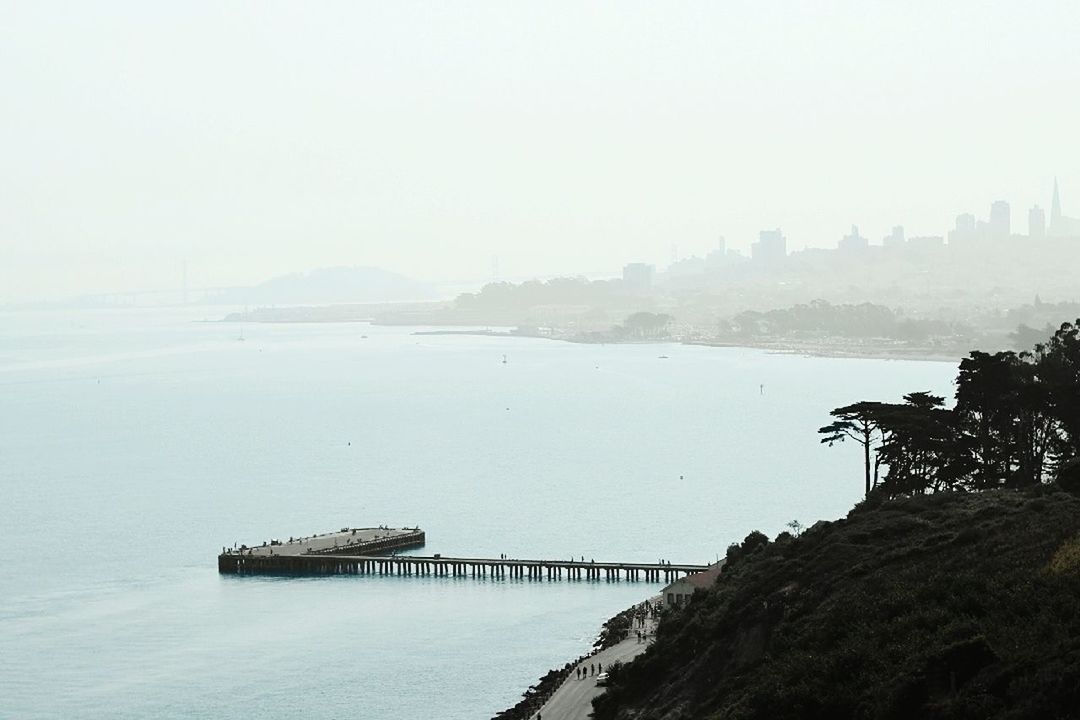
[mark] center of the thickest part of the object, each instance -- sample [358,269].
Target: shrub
[1067,558]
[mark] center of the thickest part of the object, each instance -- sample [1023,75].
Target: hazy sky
[249,139]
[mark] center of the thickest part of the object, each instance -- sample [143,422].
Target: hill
[330,285]
[952,605]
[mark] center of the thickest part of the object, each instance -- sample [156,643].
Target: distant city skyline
[770,247]
[967,229]
[561,138]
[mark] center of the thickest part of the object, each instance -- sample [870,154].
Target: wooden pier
[356,551]
[438,566]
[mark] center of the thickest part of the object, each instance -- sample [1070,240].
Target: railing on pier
[416,565]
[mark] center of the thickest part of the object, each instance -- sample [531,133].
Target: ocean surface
[134,444]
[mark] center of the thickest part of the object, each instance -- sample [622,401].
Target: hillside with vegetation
[952,591]
[952,605]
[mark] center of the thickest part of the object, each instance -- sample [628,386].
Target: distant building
[1061,226]
[771,247]
[1000,225]
[966,231]
[853,242]
[895,238]
[718,257]
[692,265]
[1036,223]
[679,592]
[638,277]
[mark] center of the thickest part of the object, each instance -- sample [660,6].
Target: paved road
[573,700]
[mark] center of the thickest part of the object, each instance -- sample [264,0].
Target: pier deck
[436,565]
[352,541]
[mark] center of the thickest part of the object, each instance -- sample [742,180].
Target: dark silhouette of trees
[920,446]
[1059,364]
[1015,423]
[735,552]
[857,422]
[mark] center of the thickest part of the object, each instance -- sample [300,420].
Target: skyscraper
[1060,225]
[771,247]
[966,231]
[853,242]
[1055,208]
[1000,223]
[895,238]
[1036,223]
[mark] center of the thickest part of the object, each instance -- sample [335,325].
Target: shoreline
[836,347]
[614,632]
[807,349]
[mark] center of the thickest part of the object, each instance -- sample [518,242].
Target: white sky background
[251,139]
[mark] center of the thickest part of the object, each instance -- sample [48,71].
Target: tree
[1058,367]
[986,390]
[647,324]
[1003,404]
[1016,423]
[857,422]
[919,446]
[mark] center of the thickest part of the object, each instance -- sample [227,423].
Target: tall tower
[1055,208]
[1036,223]
[1000,224]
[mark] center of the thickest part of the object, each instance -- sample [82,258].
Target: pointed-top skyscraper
[1061,225]
[1055,208]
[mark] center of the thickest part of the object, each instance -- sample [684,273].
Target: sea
[136,443]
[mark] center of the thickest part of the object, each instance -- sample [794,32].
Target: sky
[248,139]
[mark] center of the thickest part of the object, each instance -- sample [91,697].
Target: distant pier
[355,552]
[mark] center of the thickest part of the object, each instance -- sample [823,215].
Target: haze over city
[244,141]
[540,360]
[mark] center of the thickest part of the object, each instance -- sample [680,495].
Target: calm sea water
[135,444]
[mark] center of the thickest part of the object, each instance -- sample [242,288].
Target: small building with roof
[679,592]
